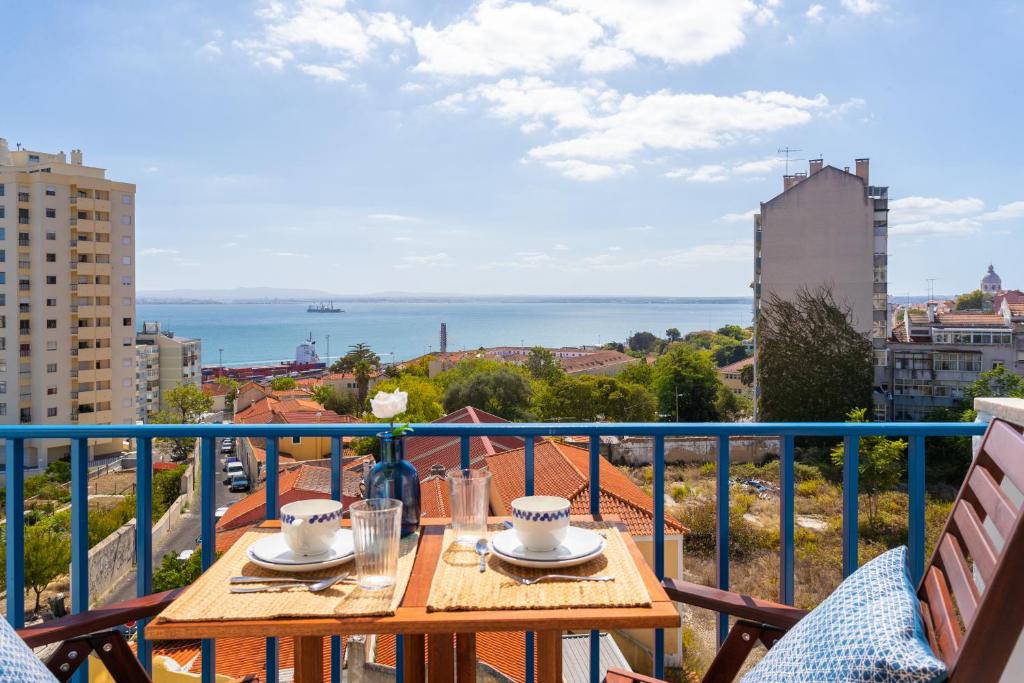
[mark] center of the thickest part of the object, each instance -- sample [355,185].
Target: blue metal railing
[79,437]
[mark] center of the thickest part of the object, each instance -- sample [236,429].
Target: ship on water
[307,361]
[323,308]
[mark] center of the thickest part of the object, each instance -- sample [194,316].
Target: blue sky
[566,146]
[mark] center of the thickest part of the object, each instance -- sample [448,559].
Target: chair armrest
[622,676]
[74,625]
[735,604]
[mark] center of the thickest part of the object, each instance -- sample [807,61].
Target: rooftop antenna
[787,151]
[931,288]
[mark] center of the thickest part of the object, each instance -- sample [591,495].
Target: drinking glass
[376,528]
[469,491]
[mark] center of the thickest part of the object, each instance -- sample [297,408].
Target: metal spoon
[482,550]
[311,587]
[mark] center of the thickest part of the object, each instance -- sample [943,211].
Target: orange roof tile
[435,501]
[426,451]
[962,319]
[738,365]
[594,361]
[215,389]
[562,470]
[236,657]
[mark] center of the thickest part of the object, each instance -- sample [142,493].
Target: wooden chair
[972,629]
[93,631]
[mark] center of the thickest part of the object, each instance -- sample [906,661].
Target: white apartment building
[163,361]
[67,297]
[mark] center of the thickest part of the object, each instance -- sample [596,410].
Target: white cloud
[323,72]
[392,218]
[640,228]
[759,166]
[318,27]
[157,251]
[210,49]
[815,13]
[861,7]
[151,169]
[1005,212]
[963,226]
[586,171]
[708,173]
[438,260]
[606,58]
[918,209]
[229,245]
[401,238]
[561,247]
[738,217]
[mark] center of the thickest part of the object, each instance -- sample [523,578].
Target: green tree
[363,364]
[996,383]
[732,407]
[948,457]
[283,383]
[686,384]
[734,331]
[813,366]
[173,573]
[467,367]
[47,551]
[186,402]
[972,301]
[501,391]
[729,352]
[673,334]
[638,373]
[232,387]
[542,365]
[591,397]
[747,375]
[425,397]
[342,403]
[880,465]
[642,341]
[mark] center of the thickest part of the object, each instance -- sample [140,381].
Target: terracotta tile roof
[426,451]
[225,538]
[298,392]
[562,470]
[738,365]
[594,361]
[314,417]
[236,657]
[504,651]
[215,389]
[435,500]
[165,466]
[294,484]
[1016,309]
[962,319]
[257,446]
[899,332]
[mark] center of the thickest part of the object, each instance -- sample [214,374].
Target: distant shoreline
[467,299]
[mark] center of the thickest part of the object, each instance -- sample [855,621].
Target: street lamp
[220,357]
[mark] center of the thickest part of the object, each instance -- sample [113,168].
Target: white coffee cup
[310,526]
[540,522]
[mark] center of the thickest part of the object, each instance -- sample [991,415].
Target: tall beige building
[829,227]
[67,296]
[165,360]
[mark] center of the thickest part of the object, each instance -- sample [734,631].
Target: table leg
[309,659]
[414,657]
[441,659]
[465,657]
[549,657]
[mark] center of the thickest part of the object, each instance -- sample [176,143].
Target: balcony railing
[79,437]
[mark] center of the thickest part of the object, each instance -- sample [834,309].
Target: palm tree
[362,370]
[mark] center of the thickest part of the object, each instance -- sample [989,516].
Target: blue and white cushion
[17,661]
[869,629]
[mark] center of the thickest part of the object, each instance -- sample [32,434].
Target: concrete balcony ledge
[1009,409]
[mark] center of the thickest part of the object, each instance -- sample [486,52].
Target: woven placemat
[210,597]
[459,585]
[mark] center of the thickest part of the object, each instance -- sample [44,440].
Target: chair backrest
[972,598]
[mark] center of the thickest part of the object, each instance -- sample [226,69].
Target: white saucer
[272,552]
[580,545]
[298,568]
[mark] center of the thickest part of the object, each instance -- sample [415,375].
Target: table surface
[412,616]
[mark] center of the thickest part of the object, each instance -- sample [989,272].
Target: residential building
[427,453]
[936,356]
[828,227]
[179,361]
[67,262]
[730,376]
[219,393]
[147,380]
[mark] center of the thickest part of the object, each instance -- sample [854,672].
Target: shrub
[708,469]
[679,492]
[745,539]
[166,489]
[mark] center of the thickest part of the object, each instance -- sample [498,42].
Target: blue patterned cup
[540,522]
[310,526]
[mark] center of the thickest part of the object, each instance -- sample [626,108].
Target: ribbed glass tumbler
[376,528]
[469,491]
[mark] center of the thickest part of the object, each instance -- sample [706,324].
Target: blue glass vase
[393,477]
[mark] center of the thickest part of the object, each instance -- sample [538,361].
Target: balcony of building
[530,442]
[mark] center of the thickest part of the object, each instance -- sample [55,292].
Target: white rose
[387,405]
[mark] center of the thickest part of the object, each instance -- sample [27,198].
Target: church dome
[991,282]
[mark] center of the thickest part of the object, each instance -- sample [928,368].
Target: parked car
[234,470]
[221,511]
[239,483]
[185,554]
[227,446]
[228,461]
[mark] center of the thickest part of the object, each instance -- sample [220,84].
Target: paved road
[182,537]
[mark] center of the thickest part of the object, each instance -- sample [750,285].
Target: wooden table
[435,631]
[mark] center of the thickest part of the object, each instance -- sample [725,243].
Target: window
[126,260]
[3,299]
[51,191]
[51,279]
[3,278]
[51,235]
[125,198]
[3,255]
[296,439]
[3,366]
[126,219]
[3,231]
[126,240]
[51,258]
[51,324]
[126,321]
[51,302]
[1,212]
[3,343]
[51,390]
[1,190]
[125,280]
[126,382]
[51,213]
[51,412]
[3,406]
[126,362]
[126,301]
[3,387]
[51,368]
[51,346]
[127,341]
